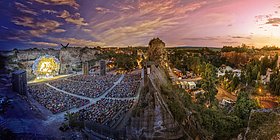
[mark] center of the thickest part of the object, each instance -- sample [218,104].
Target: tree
[125,61]
[208,82]
[274,83]
[72,119]
[244,105]
[235,82]
[274,62]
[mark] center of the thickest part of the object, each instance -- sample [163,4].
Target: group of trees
[181,60]
[194,60]
[223,124]
[125,61]
[255,68]
[239,49]
[230,82]
[209,83]
[244,105]
[274,83]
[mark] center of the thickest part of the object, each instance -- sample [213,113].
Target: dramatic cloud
[136,25]
[273,21]
[44,27]
[241,37]
[170,7]
[74,19]
[38,27]
[102,10]
[23,21]
[86,30]
[135,22]
[78,42]
[43,44]
[59,30]
[122,35]
[71,3]
[49,11]
[24,9]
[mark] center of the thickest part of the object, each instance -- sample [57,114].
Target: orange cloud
[43,44]
[23,21]
[75,19]
[71,3]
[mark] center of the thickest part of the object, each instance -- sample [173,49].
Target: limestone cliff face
[153,117]
[70,58]
[33,54]
[88,54]
[24,59]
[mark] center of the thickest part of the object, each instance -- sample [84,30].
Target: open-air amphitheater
[117,106]
[98,98]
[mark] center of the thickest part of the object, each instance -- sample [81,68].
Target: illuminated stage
[48,79]
[46,66]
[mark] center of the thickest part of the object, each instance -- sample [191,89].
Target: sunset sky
[211,23]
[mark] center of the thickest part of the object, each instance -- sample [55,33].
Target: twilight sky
[212,23]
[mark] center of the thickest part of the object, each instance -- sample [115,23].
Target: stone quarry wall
[152,118]
[70,58]
[26,58]
[33,54]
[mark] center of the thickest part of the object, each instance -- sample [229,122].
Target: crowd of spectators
[127,88]
[131,78]
[90,86]
[54,100]
[105,111]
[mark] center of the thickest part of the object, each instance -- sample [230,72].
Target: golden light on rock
[46,66]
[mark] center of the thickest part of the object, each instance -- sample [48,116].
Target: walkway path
[122,99]
[60,116]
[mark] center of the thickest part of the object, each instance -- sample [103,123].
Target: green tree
[125,61]
[274,62]
[244,105]
[72,119]
[208,82]
[235,82]
[274,83]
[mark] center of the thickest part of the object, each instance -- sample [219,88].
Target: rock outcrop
[263,124]
[70,58]
[156,52]
[152,118]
